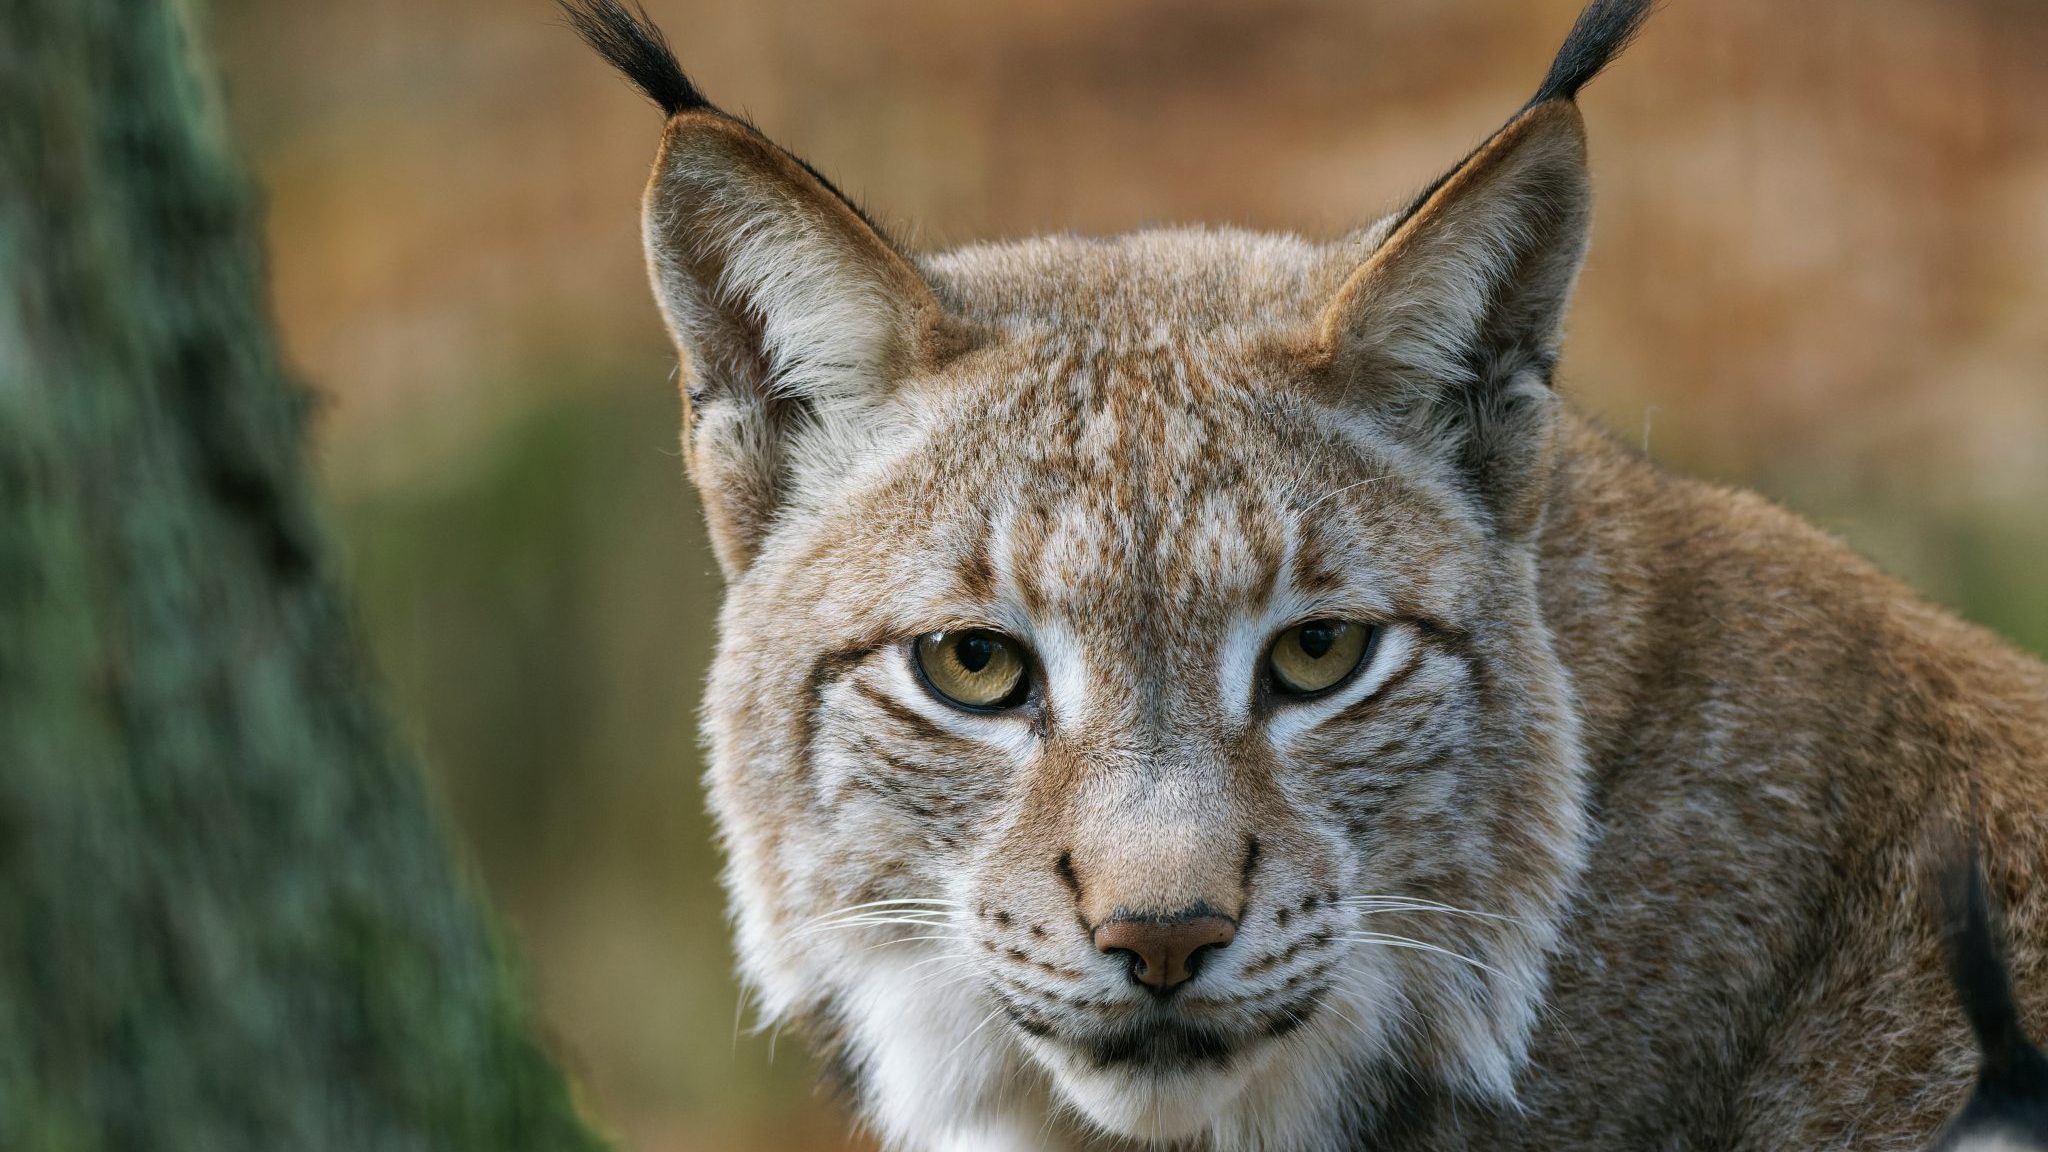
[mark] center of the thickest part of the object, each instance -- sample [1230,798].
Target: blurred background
[1820,269]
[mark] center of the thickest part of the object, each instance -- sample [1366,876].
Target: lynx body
[1207,689]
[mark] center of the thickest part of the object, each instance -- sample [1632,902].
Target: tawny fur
[1614,844]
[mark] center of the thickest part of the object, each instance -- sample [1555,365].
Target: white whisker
[903,903]
[883,917]
[1420,904]
[1390,941]
[951,938]
[1331,495]
[871,921]
[970,1035]
[930,978]
[1330,1003]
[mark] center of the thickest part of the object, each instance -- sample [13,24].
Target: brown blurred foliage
[1820,268]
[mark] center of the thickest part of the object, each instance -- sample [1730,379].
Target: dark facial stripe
[827,670]
[1359,710]
[1271,960]
[901,714]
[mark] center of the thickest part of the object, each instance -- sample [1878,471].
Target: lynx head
[1132,697]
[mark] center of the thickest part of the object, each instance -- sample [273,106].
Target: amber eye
[1316,656]
[974,669]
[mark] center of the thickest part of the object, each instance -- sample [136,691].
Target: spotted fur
[1609,844]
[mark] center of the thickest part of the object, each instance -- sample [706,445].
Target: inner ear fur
[1447,332]
[788,307]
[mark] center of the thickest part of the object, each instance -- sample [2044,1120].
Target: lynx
[1206,689]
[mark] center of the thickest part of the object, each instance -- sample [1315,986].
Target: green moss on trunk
[227,918]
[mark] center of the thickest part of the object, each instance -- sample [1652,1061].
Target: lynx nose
[1165,951]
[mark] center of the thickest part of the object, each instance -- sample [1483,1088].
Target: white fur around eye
[1009,731]
[1241,662]
[1066,674]
[1397,648]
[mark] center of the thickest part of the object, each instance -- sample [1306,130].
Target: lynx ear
[793,314]
[1447,333]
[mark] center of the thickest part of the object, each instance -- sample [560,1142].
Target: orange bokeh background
[1820,268]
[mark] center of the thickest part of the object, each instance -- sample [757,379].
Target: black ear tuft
[633,45]
[1597,37]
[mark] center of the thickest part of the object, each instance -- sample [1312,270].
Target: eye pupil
[1318,655]
[1317,639]
[974,651]
[975,669]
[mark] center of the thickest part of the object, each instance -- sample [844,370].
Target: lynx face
[1143,511]
[1132,697]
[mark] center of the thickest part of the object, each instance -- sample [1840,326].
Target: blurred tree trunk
[227,919]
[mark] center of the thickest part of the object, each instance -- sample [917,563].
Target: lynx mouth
[1166,1041]
[1157,1044]
[1162,1075]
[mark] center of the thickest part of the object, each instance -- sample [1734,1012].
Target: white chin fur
[941,1076]
[938,1070]
[1297,1094]
[943,1072]
[1143,1104]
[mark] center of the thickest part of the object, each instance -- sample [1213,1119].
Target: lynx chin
[1207,689]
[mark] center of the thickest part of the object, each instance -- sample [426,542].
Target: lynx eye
[1319,655]
[975,668]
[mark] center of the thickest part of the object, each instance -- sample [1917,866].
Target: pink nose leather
[1164,951]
